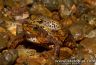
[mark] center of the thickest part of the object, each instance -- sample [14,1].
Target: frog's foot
[70,41]
[15,41]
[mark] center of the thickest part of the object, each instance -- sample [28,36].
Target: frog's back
[47,22]
[53,27]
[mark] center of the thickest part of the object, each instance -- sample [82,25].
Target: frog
[41,30]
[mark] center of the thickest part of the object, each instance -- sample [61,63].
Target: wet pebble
[3,38]
[89,44]
[79,30]
[91,34]
[8,57]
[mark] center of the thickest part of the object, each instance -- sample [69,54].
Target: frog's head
[31,29]
[33,32]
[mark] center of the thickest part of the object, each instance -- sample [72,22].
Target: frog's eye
[40,21]
[35,28]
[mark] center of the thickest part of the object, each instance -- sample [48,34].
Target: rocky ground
[77,16]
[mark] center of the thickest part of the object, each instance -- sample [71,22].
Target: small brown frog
[42,30]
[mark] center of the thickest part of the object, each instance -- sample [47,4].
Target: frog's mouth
[32,45]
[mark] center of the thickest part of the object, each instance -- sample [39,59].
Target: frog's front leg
[15,41]
[57,45]
[56,51]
